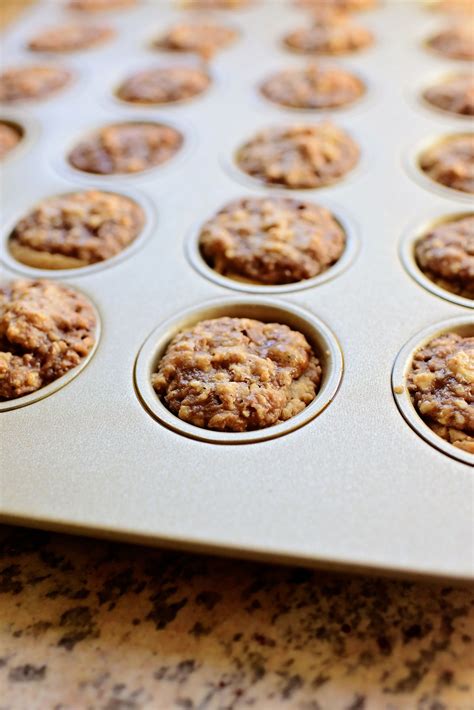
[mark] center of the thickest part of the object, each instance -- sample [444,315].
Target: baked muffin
[129,147]
[346,5]
[271,240]
[313,87]
[237,374]
[446,255]
[10,136]
[441,385]
[455,42]
[453,6]
[329,33]
[100,5]
[70,38]
[32,82]
[203,38]
[454,95]
[216,4]
[164,85]
[451,162]
[299,156]
[46,329]
[76,229]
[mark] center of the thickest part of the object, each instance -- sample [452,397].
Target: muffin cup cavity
[413,166]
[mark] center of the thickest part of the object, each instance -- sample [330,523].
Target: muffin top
[455,42]
[76,229]
[46,329]
[441,384]
[126,148]
[237,374]
[203,38]
[454,94]
[271,240]
[163,85]
[69,38]
[32,82]
[299,156]
[451,162]
[10,136]
[313,87]
[329,33]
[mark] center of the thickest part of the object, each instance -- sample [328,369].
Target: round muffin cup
[412,163]
[463,325]
[61,382]
[407,256]
[197,260]
[320,337]
[26,126]
[143,201]
[415,94]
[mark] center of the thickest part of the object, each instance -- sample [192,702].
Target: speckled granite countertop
[93,625]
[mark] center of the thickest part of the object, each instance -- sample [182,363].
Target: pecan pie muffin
[441,385]
[10,136]
[271,240]
[164,85]
[46,329]
[126,148]
[70,38]
[456,42]
[76,229]
[329,33]
[299,156]
[313,87]
[451,163]
[454,94]
[32,82]
[100,5]
[446,256]
[237,374]
[203,38]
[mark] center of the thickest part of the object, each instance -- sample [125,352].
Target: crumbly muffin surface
[69,38]
[456,42]
[203,38]
[10,136]
[126,148]
[299,156]
[46,329]
[237,374]
[451,163]
[32,82]
[76,229]
[446,256]
[441,384]
[330,33]
[272,240]
[164,85]
[455,94]
[313,87]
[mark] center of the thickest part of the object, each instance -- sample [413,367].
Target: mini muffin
[299,156]
[441,385]
[451,163]
[313,87]
[10,136]
[126,148]
[446,256]
[100,5]
[455,42]
[216,4]
[271,240]
[454,94]
[70,38]
[346,5]
[203,38]
[46,329]
[237,374]
[164,85]
[76,229]
[329,33]
[32,82]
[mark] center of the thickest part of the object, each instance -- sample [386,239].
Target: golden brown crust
[446,256]
[299,156]
[454,94]
[76,229]
[272,240]
[441,384]
[313,87]
[128,147]
[32,82]
[330,33]
[164,85]
[46,329]
[237,374]
[10,136]
[456,42]
[203,38]
[70,38]
[451,163]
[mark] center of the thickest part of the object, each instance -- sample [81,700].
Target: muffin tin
[349,483]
